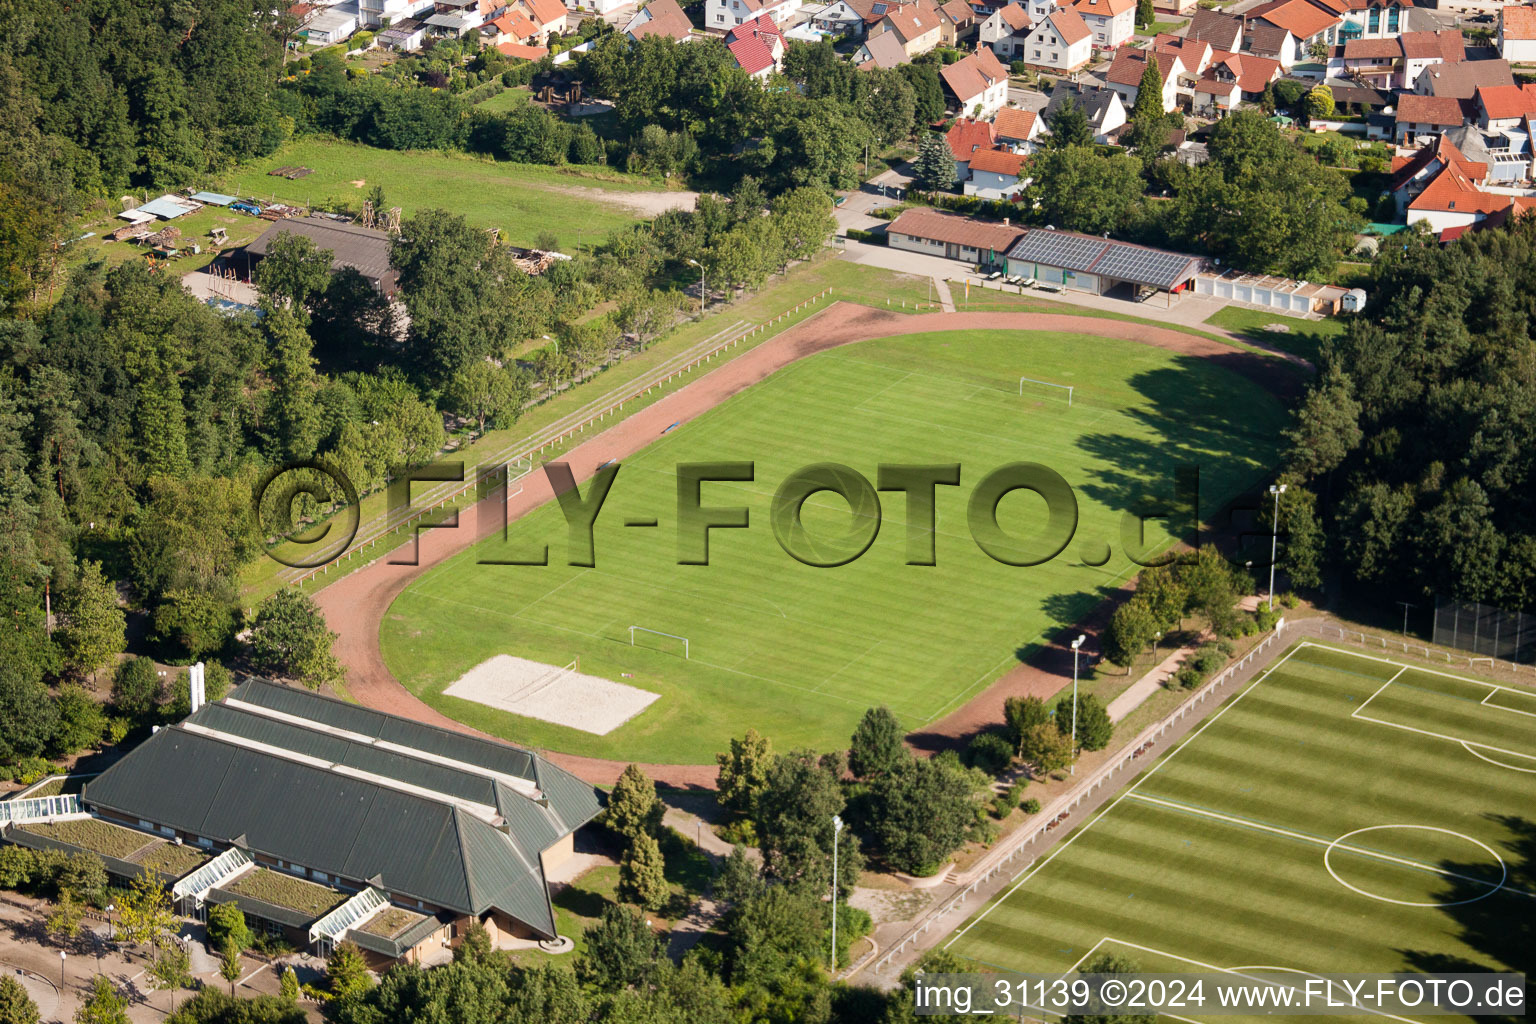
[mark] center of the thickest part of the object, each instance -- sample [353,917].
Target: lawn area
[507,99]
[93,834]
[173,859]
[1345,813]
[282,890]
[240,228]
[800,652]
[1304,338]
[520,199]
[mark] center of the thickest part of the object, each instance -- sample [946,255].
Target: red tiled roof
[959,12]
[1372,49]
[921,222]
[1298,17]
[1131,64]
[1518,22]
[516,24]
[997,161]
[1015,17]
[1103,8]
[1194,53]
[1252,73]
[912,21]
[1453,192]
[1438,110]
[1012,123]
[545,12]
[752,42]
[1070,26]
[523,52]
[1446,46]
[1504,101]
[1407,169]
[966,137]
[970,76]
[666,19]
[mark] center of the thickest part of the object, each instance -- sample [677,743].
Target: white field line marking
[1191,737]
[1417,668]
[253,974]
[1373,696]
[1494,692]
[1237,973]
[1317,841]
[1501,764]
[1439,735]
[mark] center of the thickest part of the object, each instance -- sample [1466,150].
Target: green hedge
[872,237]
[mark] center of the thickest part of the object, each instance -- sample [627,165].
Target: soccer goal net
[657,640]
[1043,389]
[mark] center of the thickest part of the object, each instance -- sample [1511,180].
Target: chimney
[1005,222]
[195,686]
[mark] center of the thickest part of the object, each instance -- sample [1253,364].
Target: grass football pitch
[1345,813]
[799,652]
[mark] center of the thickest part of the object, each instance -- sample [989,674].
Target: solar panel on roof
[1142,266]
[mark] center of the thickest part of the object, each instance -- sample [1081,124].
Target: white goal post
[657,632]
[1045,383]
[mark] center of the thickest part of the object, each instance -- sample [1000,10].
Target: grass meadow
[520,199]
[799,652]
[1344,814]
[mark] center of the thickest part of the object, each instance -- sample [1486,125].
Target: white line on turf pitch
[1416,668]
[1373,696]
[1318,841]
[1438,735]
[1501,764]
[1500,707]
[1191,737]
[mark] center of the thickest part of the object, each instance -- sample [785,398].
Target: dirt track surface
[355,605]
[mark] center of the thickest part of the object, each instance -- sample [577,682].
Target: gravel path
[356,604]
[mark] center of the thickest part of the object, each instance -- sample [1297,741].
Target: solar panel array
[1143,266]
[1100,256]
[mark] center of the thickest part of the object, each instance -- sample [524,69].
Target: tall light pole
[1274,541]
[701,285]
[1075,645]
[837,828]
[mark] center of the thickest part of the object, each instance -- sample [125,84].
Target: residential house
[1017,129]
[1112,22]
[1222,31]
[1215,97]
[1412,174]
[1503,107]
[550,15]
[1062,42]
[1124,75]
[1178,8]
[511,26]
[331,24]
[373,13]
[757,46]
[958,22]
[453,19]
[1396,63]
[660,18]
[850,19]
[1455,198]
[978,82]
[881,51]
[723,15]
[1421,116]
[1307,24]
[1105,109]
[1006,31]
[916,24]
[599,7]
[1516,37]
[980,242]
[1194,54]
[966,138]
[995,174]
[1506,154]
[403,36]
[1461,81]
[1377,19]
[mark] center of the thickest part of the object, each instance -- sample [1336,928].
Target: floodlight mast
[1076,644]
[1274,541]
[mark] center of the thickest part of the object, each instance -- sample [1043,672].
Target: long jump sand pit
[551,693]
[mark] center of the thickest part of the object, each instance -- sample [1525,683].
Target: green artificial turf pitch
[799,652]
[1330,819]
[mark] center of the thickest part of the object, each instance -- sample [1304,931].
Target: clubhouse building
[326,821]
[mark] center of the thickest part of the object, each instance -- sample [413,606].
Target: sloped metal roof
[310,788]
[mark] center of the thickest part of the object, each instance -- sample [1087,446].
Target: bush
[740,832]
[852,925]
[1207,659]
[1018,67]
[27,770]
[872,237]
[1187,677]
[361,41]
[1264,619]
[989,752]
[1289,599]
[1030,806]
[136,688]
